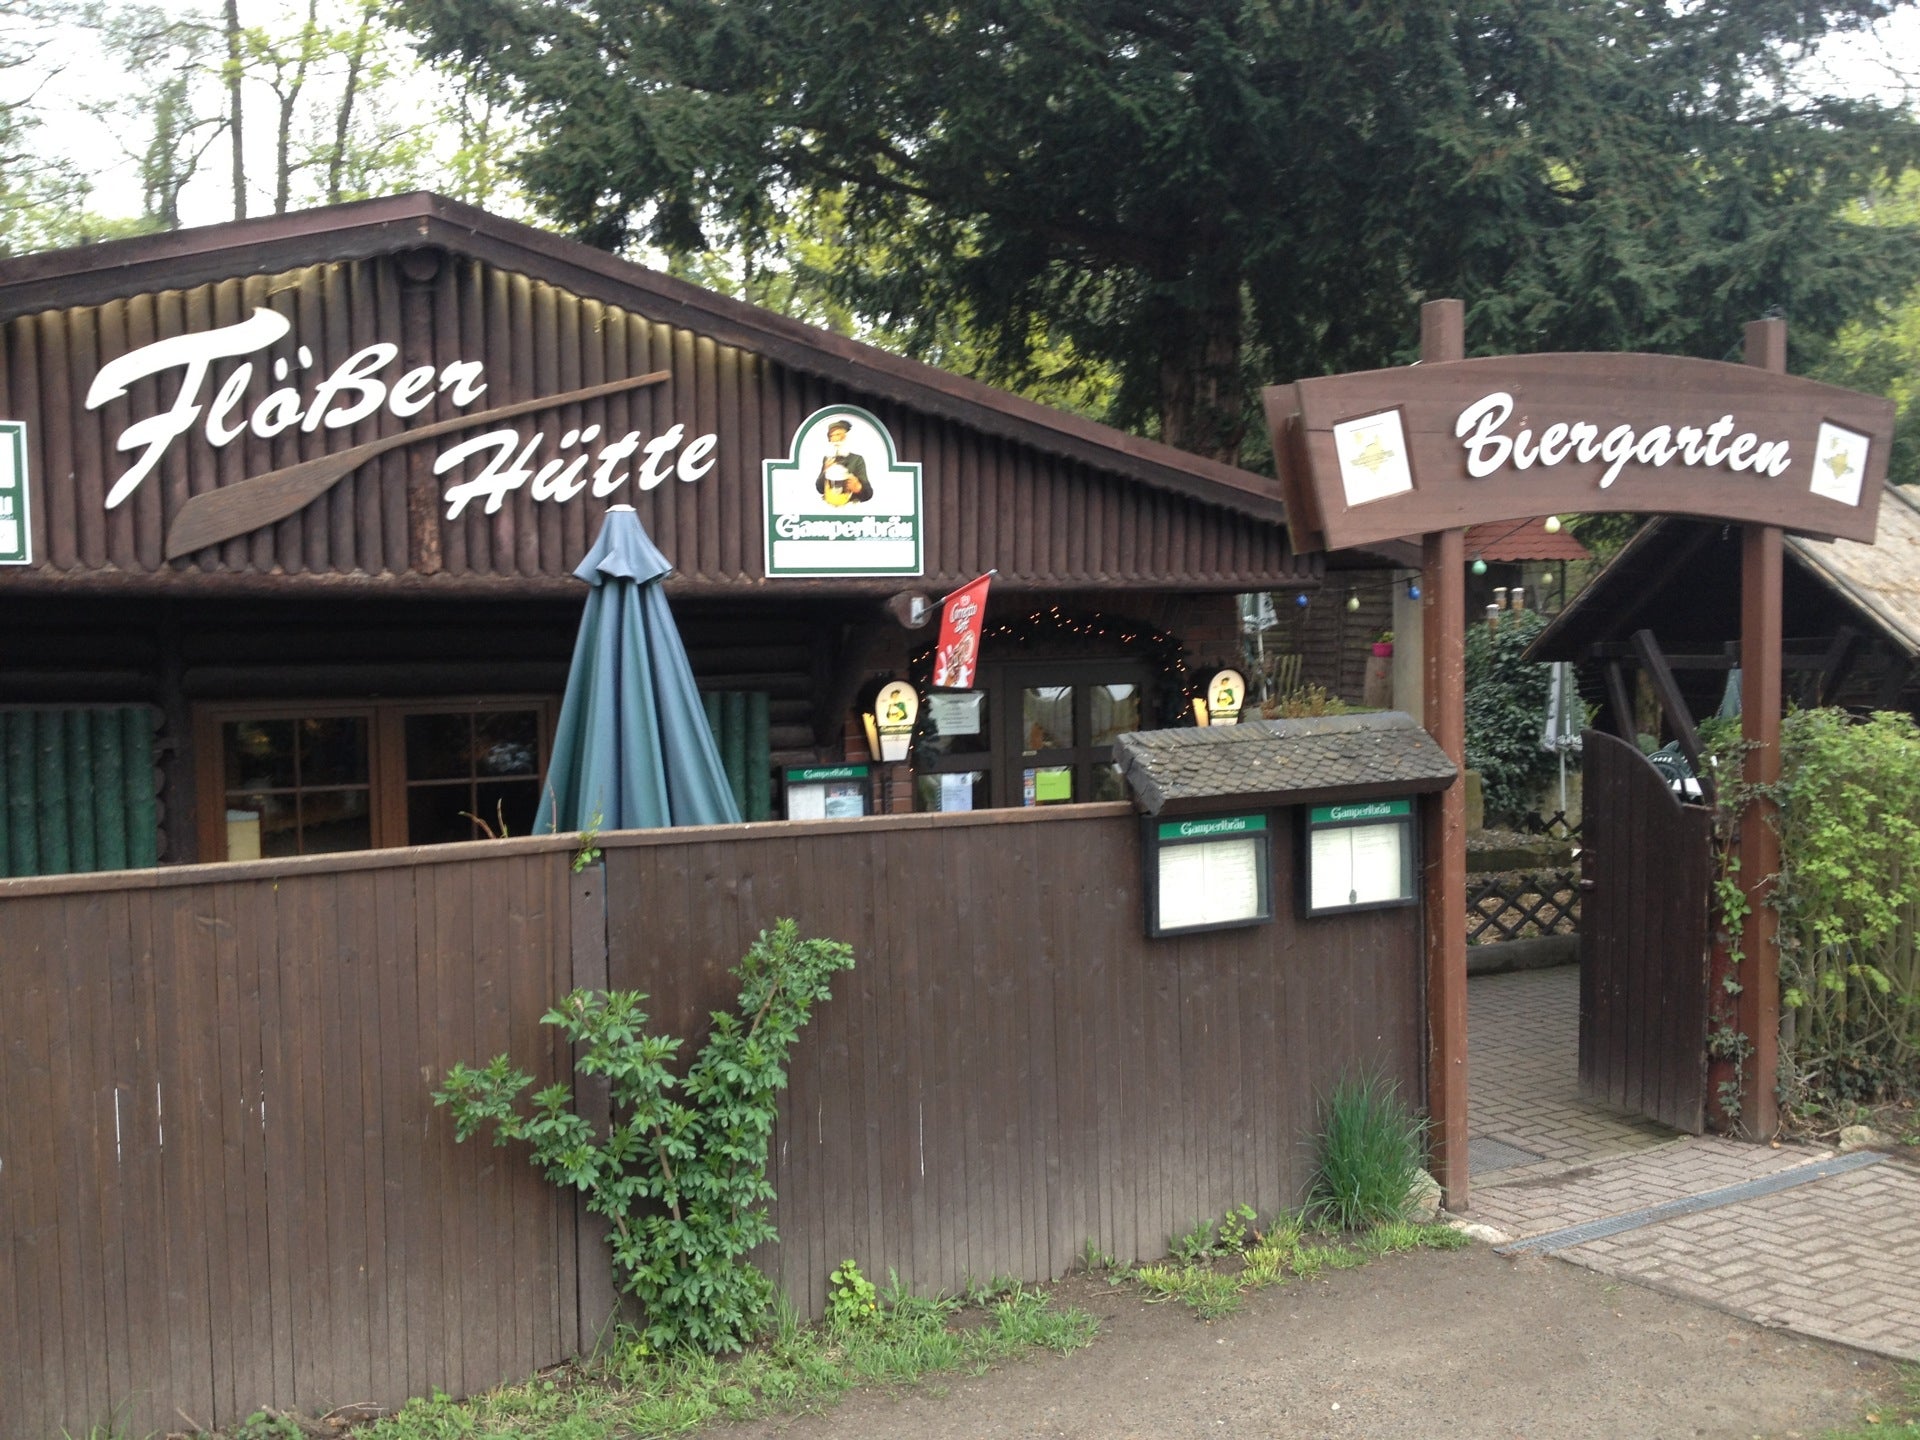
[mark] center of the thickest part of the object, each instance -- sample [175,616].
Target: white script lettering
[1480,424]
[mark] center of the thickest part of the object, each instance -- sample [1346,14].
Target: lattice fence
[1555,826]
[1521,905]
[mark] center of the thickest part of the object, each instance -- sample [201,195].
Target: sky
[1885,63]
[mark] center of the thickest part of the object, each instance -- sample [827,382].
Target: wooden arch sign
[1432,448]
[1385,453]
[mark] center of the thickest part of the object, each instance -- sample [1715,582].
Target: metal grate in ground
[1690,1205]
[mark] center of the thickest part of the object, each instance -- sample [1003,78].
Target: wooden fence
[224,1185]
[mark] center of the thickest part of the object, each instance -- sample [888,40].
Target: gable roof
[92,274]
[1880,582]
[1514,540]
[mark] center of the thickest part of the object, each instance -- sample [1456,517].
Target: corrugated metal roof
[1274,762]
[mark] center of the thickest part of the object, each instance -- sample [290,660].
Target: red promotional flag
[957,655]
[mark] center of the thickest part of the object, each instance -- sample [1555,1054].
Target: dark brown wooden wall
[1039,518]
[1010,1071]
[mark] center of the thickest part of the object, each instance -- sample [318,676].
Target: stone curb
[1540,953]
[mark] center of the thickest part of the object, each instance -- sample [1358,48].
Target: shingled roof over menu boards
[1281,762]
[419,283]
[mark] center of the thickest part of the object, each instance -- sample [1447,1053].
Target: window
[305,779]
[1036,733]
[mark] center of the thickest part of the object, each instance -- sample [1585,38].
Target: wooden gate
[1648,867]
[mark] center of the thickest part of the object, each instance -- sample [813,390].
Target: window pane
[434,815]
[1116,711]
[506,742]
[953,790]
[439,747]
[1049,785]
[259,754]
[333,820]
[1104,783]
[264,826]
[508,802]
[333,751]
[1047,715]
[956,724]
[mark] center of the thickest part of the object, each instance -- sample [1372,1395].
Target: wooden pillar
[1444,843]
[1758,1004]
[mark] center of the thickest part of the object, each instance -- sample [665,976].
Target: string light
[1353,601]
[1552,524]
[1479,566]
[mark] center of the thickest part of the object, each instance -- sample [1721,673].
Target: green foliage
[1506,710]
[851,1298]
[1199,1273]
[681,1173]
[1174,192]
[1880,352]
[1849,904]
[630,1390]
[1370,1155]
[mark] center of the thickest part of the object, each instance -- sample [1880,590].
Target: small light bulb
[1413,592]
[1353,600]
[1479,566]
[1553,524]
[1301,601]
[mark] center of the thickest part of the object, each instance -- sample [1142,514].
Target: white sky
[1885,63]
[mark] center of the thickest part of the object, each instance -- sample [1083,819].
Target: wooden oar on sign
[217,515]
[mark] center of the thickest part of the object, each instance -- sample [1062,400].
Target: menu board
[1208,874]
[1359,856]
[827,792]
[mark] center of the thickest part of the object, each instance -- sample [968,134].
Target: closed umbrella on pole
[632,749]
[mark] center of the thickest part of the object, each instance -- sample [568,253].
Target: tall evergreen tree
[1201,193]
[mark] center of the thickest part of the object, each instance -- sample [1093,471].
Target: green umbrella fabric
[632,750]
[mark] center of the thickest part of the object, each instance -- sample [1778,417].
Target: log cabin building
[289,506]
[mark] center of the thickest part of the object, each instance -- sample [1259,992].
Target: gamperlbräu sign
[1389,453]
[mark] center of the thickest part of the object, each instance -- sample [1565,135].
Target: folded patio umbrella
[632,749]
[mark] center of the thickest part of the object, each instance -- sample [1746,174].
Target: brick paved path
[1837,1258]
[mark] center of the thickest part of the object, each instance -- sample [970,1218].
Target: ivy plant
[1506,711]
[681,1172]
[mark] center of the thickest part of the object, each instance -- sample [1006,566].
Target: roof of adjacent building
[1878,583]
[1515,540]
[1281,762]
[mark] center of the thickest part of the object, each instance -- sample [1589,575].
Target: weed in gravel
[1889,1422]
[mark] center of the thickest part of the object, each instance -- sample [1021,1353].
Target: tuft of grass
[1889,1422]
[1370,1154]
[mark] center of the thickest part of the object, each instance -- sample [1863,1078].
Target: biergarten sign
[1388,453]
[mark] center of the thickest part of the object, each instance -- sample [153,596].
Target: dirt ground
[1464,1345]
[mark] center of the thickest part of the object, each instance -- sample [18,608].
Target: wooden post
[1758,1004]
[598,1297]
[1443,600]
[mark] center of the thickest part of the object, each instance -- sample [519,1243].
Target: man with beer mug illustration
[843,473]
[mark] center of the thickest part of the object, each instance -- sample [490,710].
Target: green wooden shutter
[78,790]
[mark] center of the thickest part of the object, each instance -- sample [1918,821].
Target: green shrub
[1506,710]
[1370,1155]
[1849,904]
[682,1172]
